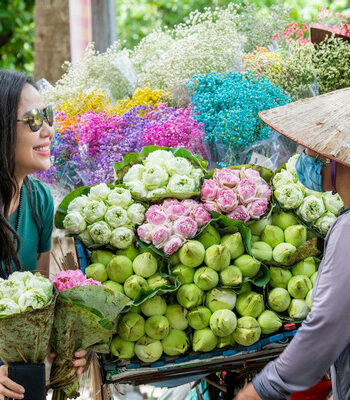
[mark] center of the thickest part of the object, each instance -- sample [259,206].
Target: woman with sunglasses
[26,204]
[322,125]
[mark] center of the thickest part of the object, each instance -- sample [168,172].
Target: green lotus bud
[156,281]
[295,235]
[122,349]
[217,257]
[177,316]
[272,235]
[298,309]
[223,322]
[262,251]
[298,286]
[257,227]
[199,317]
[250,304]
[115,286]
[279,277]
[176,343]
[131,327]
[247,265]
[134,284]
[145,265]
[96,271]
[157,327]
[101,256]
[174,259]
[206,278]
[269,322]
[313,278]
[231,276]
[246,287]
[155,305]
[278,299]
[225,341]
[135,309]
[184,274]
[204,340]
[306,267]
[283,252]
[189,295]
[234,244]
[119,269]
[308,299]
[192,253]
[209,236]
[254,239]
[248,331]
[148,350]
[220,299]
[284,219]
[131,252]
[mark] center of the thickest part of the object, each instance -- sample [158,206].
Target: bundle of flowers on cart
[216,263]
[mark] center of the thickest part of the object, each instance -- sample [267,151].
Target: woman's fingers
[80,353]
[10,393]
[81,361]
[9,388]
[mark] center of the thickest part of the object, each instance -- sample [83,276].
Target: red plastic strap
[317,392]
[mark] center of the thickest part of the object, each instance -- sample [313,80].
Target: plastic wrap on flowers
[85,316]
[160,172]
[25,336]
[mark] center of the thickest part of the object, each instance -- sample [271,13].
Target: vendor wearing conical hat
[322,125]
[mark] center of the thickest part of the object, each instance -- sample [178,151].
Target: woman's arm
[43,264]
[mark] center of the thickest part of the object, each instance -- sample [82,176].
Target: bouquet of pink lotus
[170,223]
[240,194]
[85,318]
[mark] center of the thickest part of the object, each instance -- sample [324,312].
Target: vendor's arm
[326,331]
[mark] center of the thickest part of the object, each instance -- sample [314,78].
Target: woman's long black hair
[11,86]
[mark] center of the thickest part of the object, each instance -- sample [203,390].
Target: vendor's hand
[248,393]
[9,388]
[80,361]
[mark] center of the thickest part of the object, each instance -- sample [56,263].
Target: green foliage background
[135,19]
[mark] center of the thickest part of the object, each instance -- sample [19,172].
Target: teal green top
[27,230]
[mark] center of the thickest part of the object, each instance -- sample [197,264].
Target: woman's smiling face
[32,152]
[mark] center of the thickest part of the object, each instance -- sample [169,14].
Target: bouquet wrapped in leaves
[85,318]
[27,304]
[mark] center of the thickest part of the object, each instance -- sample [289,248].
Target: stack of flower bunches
[105,216]
[277,240]
[318,209]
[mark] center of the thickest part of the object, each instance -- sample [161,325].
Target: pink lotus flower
[175,209]
[145,232]
[251,174]
[155,215]
[211,206]
[226,177]
[201,216]
[246,190]
[190,204]
[264,191]
[185,227]
[160,235]
[209,190]
[226,199]
[240,213]
[257,208]
[173,245]
[72,278]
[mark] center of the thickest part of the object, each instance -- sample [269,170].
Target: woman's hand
[9,388]
[80,361]
[248,393]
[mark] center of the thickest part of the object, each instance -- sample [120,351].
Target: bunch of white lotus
[162,173]
[105,216]
[23,291]
[318,209]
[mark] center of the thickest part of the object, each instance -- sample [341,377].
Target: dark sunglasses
[36,117]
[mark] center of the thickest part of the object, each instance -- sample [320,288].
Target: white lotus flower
[86,238]
[197,174]
[100,232]
[134,173]
[8,307]
[78,204]
[333,202]
[74,222]
[178,165]
[325,222]
[122,238]
[156,192]
[35,298]
[155,176]
[283,178]
[181,184]
[137,188]
[94,211]
[311,208]
[158,157]
[291,164]
[11,289]
[99,192]
[119,197]
[116,216]
[136,213]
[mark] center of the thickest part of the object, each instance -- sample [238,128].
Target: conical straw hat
[319,123]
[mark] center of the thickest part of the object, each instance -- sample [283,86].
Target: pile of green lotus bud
[214,303]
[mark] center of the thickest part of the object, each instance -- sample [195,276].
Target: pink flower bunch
[240,194]
[71,278]
[169,224]
[294,32]
[334,22]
